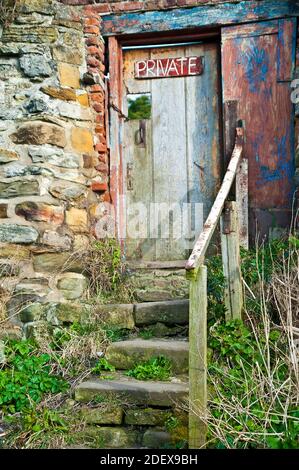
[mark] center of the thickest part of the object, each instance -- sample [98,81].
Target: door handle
[140,135]
[129,176]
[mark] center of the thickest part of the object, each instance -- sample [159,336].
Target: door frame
[115,99]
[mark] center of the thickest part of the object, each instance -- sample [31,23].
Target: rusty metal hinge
[119,111]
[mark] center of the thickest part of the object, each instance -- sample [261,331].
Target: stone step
[156,284]
[132,392]
[174,312]
[126,354]
[129,316]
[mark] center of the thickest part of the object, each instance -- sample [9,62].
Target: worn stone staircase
[124,412]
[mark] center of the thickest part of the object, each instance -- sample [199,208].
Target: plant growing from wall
[102,263]
[8,11]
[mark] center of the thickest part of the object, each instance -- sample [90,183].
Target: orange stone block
[69,75]
[82,140]
[76,219]
[83,99]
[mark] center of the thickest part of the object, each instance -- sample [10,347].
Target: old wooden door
[258,63]
[171,150]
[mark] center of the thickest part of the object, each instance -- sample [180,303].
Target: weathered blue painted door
[257,67]
[171,153]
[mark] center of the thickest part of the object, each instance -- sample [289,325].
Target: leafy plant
[233,343]
[146,333]
[156,368]
[262,261]
[171,423]
[252,366]
[103,365]
[115,334]
[254,386]
[43,420]
[216,284]
[26,377]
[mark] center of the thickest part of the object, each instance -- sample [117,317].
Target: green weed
[26,377]
[146,333]
[102,366]
[157,368]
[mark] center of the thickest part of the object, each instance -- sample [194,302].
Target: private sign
[165,68]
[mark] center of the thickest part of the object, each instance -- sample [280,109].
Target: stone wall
[53,154]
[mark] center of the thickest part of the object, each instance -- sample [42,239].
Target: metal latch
[140,135]
[129,176]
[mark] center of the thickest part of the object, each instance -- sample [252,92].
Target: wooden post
[230,123]
[197,357]
[231,261]
[242,202]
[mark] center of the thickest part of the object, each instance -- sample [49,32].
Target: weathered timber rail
[196,271]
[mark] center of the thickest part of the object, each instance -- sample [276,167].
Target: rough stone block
[68,54]
[12,170]
[40,212]
[72,285]
[12,233]
[15,252]
[55,263]
[174,312]
[7,156]
[83,99]
[120,315]
[126,354]
[39,133]
[30,34]
[64,94]
[35,65]
[108,437]
[156,439]
[110,414]
[76,219]
[19,188]
[54,156]
[130,391]
[33,312]
[64,313]
[37,6]
[146,417]
[73,111]
[53,239]
[82,140]
[67,191]
[69,75]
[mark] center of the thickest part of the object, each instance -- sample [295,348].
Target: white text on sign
[165,68]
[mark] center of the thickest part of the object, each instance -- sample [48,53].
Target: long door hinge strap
[119,111]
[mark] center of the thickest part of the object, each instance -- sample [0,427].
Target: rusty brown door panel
[257,67]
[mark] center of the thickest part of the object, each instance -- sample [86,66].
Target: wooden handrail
[198,254]
[198,305]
